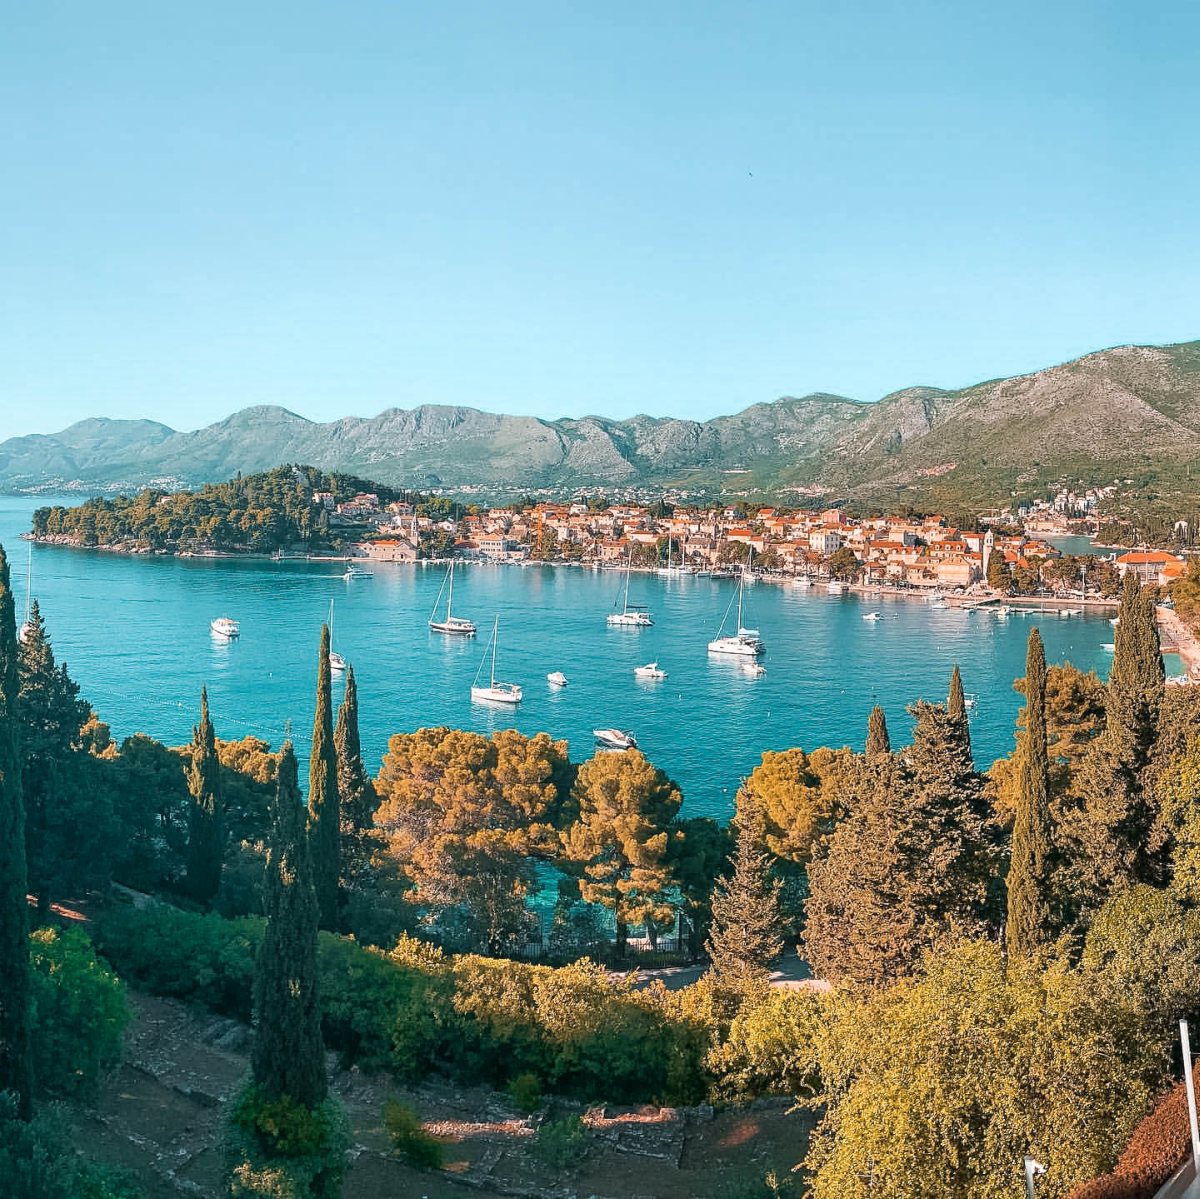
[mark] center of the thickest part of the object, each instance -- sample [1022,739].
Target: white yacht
[495,692]
[456,625]
[649,671]
[226,627]
[745,643]
[614,738]
[631,615]
[556,678]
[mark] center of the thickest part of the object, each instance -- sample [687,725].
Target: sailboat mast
[495,637]
[628,569]
[450,597]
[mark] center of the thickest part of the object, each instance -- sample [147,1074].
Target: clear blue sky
[560,208]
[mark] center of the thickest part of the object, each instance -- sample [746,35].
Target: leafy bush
[278,1149]
[771,1047]
[37,1163]
[205,959]
[415,1011]
[525,1090]
[80,1013]
[409,1138]
[561,1144]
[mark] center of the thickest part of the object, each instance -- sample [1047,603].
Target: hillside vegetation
[1133,410]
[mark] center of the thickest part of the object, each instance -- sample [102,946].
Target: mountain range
[1132,409]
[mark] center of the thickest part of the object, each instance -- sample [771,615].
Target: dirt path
[161,1116]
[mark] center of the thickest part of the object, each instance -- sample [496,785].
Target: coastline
[1179,639]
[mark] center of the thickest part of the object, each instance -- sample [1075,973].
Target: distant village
[909,551]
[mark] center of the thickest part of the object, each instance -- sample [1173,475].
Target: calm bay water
[135,633]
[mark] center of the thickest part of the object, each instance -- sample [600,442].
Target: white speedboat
[495,692]
[1070,612]
[1109,647]
[455,625]
[631,615]
[939,604]
[649,671]
[757,669]
[1003,611]
[970,702]
[802,581]
[872,616]
[835,587]
[745,643]
[556,678]
[226,627]
[354,572]
[614,738]
[1114,621]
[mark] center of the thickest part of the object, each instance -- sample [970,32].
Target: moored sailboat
[455,625]
[631,615]
[745,643]
[495,692]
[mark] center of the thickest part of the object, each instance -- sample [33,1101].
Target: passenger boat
[226,627]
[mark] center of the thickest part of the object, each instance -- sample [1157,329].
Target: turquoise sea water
[135,633]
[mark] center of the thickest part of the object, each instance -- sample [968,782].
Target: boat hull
[497,695]
[452,628]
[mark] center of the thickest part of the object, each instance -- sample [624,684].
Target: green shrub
[561,1144]
[36,1162]
[204,959]
[409,1138]
[278,1149]
[80,1013]
[525,1090]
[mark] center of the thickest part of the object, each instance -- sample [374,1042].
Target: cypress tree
[1113,828]
[206,813]
[288,1058]
[878,742]
[1028,882]
[956,707]
[67,823]
[15,1059]
[324,818]
[744,937]
[356,793]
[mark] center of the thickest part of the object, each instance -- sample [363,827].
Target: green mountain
[1129,409]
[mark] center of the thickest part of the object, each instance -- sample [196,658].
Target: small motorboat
[556,678]
[226,627]
[755,669]
[354,572]
[872,616]
[1003,611]
[614,739]
[649,671]
[970,702]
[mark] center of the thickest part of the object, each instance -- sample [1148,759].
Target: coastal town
[922,552]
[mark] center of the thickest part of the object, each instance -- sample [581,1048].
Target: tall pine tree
[206,814]
[879,744]
[324,816]
[15,1057]
[356,792]
[746,916]
[956,706]
[288,1058]
[1029,873]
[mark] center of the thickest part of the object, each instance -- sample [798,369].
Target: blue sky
[548,208]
